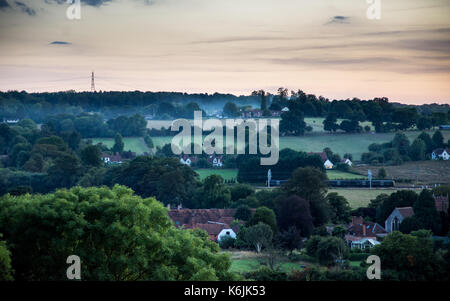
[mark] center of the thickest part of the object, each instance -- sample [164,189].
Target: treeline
[94,125]
[400,149]
[19,105]
[385,116]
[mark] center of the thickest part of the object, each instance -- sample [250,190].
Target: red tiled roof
[201,216]
[322,155]
[358,227]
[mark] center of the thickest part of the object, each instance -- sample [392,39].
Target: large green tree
[116,234]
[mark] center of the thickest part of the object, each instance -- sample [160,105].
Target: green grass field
[340,175]
[250,265]
[135,144]
[355,144]
[226,174]
[360,197]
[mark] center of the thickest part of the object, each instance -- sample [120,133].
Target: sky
[323,47]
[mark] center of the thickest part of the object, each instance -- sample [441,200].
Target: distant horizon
[325,47]
[447,103]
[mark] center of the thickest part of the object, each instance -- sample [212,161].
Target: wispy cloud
[60,43]
[339,20]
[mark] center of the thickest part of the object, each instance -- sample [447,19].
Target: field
[340,143]
[360,197]
[135,144]
[340,175]
[246,261]
[420,173]
[226,174]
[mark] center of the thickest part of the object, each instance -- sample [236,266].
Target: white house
[440,154]
[226,232]
[217,162]
[328,164]
[186,162]
[348,162]
[285,109]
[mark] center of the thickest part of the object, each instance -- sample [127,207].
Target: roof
[360,228]
[439,151]
[322,155]
[113,158]
[406,211]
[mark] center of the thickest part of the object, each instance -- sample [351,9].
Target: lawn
[341,175]
[340,143]
[135,144]
[226,174]
[246,261]
[360,197]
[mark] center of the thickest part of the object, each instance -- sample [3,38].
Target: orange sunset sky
[324,47]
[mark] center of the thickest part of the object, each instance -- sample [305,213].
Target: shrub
[226,242]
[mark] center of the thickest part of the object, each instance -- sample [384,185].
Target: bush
[227,242]
[358,256]
[266,274]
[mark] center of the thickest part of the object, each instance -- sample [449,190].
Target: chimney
[364,230]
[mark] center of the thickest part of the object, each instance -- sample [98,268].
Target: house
[397,216]
[363,234]
[328,165]
[323,155]
[255,113]
[216,222]
[215,161]
[186,160]
[440,154]
[347,161]
[364,243]
[360,228]
[285,109]
[11,121]
[112,159]
[444,127]
[226,232]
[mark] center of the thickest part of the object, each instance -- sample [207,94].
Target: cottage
[112,159]
[186,160]
[347,161]
[440,154]
[397,216]
[216,222]
[328,165]
[215,161]
[363,234]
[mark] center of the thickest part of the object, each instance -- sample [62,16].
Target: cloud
[339,20]
[60,43]
[24,8]
[4,4]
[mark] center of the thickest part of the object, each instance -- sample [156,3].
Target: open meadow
[341,143]
[134,144]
